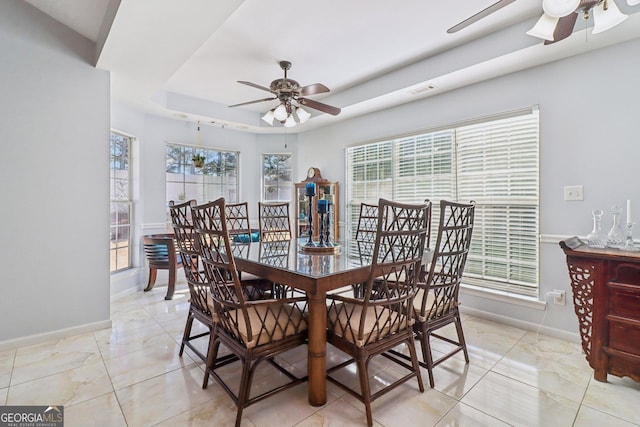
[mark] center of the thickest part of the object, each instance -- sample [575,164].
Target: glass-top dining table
[314,273]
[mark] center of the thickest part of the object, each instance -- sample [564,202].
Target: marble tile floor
[131,375]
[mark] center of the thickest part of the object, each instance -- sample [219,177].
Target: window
[277,183]
[120,189]
[218,177]
[493,162]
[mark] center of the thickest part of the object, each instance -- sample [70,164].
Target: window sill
[502,296]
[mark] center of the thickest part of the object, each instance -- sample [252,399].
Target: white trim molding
[521,324]
[503,296]
[54,335]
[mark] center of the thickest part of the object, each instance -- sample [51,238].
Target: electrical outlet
[559,297]
[573,192]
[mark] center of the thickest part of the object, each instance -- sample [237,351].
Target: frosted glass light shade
[280,113]
[303,115]
[269,117]
[544,28]
[291,122]
[604,20]
[559,8]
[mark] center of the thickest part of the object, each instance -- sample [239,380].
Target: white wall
[589,107]
[54,225]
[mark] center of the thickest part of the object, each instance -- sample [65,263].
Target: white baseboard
[54,335]
[128,279]
[516,323]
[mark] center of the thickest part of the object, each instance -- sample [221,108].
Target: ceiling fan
[287,91]
[560,17]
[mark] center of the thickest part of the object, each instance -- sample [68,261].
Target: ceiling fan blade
[313,89]
[255,85]
[334,111]
[253,102]
[564,28]
[478,16]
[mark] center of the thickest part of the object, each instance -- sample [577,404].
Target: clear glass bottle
[616,237]
[597,238]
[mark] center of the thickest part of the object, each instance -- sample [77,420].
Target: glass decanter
[616,236]
[597,238]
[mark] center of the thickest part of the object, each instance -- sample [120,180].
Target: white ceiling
[182,59]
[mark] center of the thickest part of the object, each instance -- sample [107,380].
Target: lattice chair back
[386,306]
[367,223]
[238,223]
[439,293]
[274,222]
[251,323]
[186,241]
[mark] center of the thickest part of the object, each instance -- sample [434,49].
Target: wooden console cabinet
[606,297]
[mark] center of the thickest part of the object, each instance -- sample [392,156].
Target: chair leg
[212,356]
[415,364]
[365,388]
[153,273]
[243,394]
[426,355]
[187,332]
[171,288]
[461,339]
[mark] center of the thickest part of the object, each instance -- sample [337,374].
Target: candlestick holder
[629,245]
[310,241]
[327,230]
[321,219]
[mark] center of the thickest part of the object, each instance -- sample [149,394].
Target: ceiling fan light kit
[559,17]
[268,118]
[606,15]
[288,91]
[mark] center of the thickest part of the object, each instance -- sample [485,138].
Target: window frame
[115,206]
[278,186]
[207,191]
[522,263]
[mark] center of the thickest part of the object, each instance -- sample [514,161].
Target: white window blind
[498,168]
[493,162]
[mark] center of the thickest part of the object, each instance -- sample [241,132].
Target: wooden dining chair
[365,238]
[436,304]
[240,231]
[238,223]
[382,318]
[274,221]
[161,254]
[254,331]
[367,223]
[200,303]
